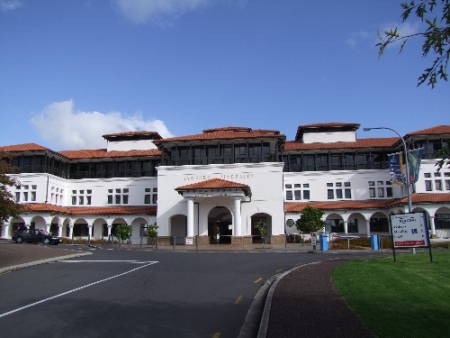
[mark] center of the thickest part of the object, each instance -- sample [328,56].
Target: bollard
[323,242]
[374,242]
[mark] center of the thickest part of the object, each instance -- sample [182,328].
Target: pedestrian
[314,241]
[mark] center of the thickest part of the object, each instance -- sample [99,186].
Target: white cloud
[10,5]
[357,37]
[66,128]
[163,12]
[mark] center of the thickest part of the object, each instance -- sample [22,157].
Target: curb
[43,261]
[262,332]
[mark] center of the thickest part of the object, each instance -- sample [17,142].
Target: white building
[226,180]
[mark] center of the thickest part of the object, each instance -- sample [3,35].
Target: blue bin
[324,242]
[374,242]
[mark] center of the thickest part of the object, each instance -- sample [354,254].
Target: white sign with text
[409,230]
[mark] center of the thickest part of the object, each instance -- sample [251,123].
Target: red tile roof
[110,210]
[226,133]
[437,130]
[102,153]
[23,147]
[215,183]
[358,144]
[133,134]
[369,204]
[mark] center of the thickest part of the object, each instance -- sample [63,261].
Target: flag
[414,158]
[396,168]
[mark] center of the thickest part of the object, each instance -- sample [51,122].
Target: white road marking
[74,290]
[132,261]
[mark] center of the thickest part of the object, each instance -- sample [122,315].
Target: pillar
[433,227]
[237,217]
[346,227]
[90,230]
[368,227]
[60,226]
[190,218]
[109,226]
[47,227]
[5,231]
[71,230]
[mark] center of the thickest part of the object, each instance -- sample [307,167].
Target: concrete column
[109,226]
[346,227]
[368,227]
[90,230]
[433,226]
[60,227]
[237,217]
[190,218]
[47,227]
[5,231]
[71,230]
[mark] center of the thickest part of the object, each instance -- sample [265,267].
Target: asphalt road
[138,294]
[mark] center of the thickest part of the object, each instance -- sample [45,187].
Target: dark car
[35,236]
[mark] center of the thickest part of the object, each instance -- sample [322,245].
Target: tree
[8,206]
[310,220]
[444,154]
[261,226]
[152,232]
[436,36]
[123,232]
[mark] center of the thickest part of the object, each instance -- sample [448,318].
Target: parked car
[35,236]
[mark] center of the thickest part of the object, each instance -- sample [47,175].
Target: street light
[406,163]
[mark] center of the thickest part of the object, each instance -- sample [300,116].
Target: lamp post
[406,163]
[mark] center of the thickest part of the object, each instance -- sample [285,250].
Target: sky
[74,70]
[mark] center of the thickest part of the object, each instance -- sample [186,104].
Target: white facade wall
[264,179]
[329,137]
[130,145]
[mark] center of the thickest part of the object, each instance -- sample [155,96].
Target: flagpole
[407,179]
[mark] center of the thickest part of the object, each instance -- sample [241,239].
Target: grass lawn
[408,298]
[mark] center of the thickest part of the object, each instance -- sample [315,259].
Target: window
[306,195]
[80,200]
[74,200]
[380,192]
[33,196]
[389,192]
[74,192]
[147,189]
[89,191]
[348,193]
[339,193]
[155,199]
[437,174]
[427,175]
[372,193]
[438,184]
[288,195]
[118,198]
[447,184]
[379,225]
[118,191]
[330,194]
[125,191]
[88,200]
[17,196]
[442,221]
[110,191]
[125,199]
[34,187]
[81,192]
[297,195]
[147,199]
[26,187]
[110,199]
[25,196]
[428,185]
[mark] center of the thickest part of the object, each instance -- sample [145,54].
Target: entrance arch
[219,221]
[178,228]
[256,237]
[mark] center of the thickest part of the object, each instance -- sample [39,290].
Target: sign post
[410,231]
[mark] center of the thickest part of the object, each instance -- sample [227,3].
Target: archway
[219,225]
[178,228]
[256,237]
